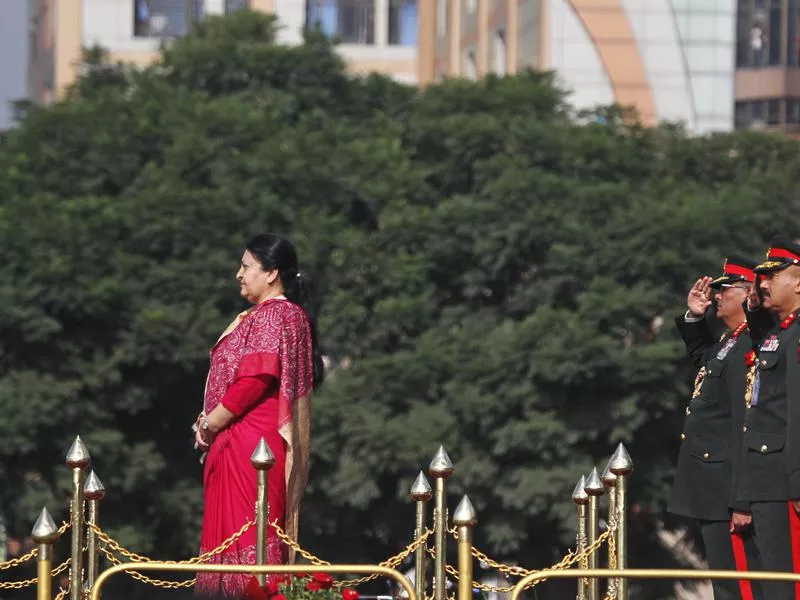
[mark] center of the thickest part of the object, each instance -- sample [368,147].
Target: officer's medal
[698,382]
[751,380]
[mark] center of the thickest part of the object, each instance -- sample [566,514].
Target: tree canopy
[494,272]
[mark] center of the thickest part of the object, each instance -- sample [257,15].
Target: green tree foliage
[495,273]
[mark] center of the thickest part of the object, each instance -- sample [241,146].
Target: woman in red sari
[263,369]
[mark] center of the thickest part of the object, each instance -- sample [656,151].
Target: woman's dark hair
[274,252]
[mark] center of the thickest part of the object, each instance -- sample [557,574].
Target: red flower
[349,594]
[323,579]
[301,575]
[319,581]
[750,358]
[254,591]
[273,587]
[279,597]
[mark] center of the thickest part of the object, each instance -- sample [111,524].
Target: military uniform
[710,442]
[769,477]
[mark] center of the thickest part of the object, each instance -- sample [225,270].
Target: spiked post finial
[465,515]
[93,489]
[44,530]
[441,466]
[78,456]
[262,458]
[621,463]
[608,477]
[421,490]
[593,485]
[579,495]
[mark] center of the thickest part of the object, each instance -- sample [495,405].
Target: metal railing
[652,574]
[257,570]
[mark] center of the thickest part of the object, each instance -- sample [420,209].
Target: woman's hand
[205,434]
[199,441]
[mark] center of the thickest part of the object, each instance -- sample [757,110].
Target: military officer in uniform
[703,487]
[769,478]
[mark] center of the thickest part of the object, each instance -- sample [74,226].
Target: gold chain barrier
[18,585]
[377,570]
[569,559]
[110,545]
[88,491]
[390,563]
[16,562]
[673,574]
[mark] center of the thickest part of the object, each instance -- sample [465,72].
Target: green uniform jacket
[770,464]
[710,447]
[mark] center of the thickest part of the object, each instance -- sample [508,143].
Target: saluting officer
[710,443]
[769,477]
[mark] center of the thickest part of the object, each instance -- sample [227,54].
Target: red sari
[261,371]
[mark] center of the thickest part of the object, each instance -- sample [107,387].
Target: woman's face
[255,283]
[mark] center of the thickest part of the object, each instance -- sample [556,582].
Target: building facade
[768,65]
[376,35]
[669,59]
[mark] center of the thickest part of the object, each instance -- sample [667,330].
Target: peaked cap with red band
[781,254]
[737,268]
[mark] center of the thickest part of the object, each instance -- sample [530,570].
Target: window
[774,112]
[793,56]
[403,24]
[165,18]
[741,117]
[774,35]
[767,33]
[793,112]
[349,21]
[235,5]
[499,52]
[757,114]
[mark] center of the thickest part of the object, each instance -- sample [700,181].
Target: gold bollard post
[610,480]
[421,493]
[594,489]
[77,459]
[621,465]
[262,459]
[44,533]
[441,468]
[93,491]
[581,499]
[465,519]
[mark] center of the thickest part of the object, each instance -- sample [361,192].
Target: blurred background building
[713,64]
[767,60]
[376,35]
[671,59]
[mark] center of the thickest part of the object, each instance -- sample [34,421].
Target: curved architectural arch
[657,34]
[607,25]
[572,54]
